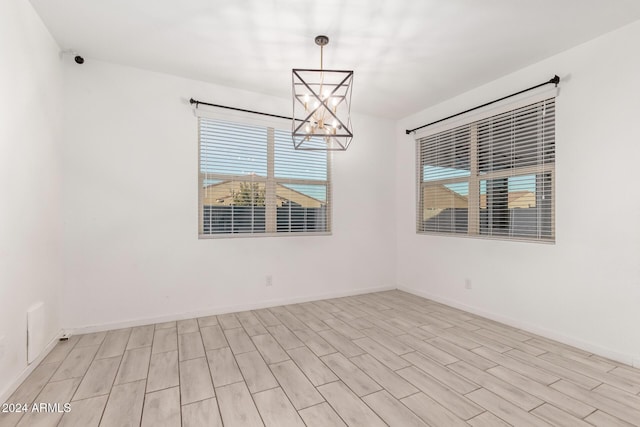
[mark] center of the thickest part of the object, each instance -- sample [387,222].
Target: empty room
[339,213]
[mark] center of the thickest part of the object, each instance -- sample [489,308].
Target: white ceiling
[407,54]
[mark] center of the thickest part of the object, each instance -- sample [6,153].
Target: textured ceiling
[407,54]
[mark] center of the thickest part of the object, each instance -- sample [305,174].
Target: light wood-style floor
[387,358]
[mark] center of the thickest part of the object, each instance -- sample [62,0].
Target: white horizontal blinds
[521,138]
[232,149]
[493,177]
[252,181]
[302,187]
[516,161]
[444,168]
[233,173]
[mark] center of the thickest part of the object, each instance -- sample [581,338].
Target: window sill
[249,235]
[483,237]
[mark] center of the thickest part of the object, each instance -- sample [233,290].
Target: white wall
[585,289]
[130,196]
[30,213]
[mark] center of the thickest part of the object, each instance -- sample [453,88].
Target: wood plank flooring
[387,358]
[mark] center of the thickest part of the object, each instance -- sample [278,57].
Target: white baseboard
[628,359]
[15,383]
[220,310]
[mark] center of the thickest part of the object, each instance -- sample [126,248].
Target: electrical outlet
[269,281]
[467,283]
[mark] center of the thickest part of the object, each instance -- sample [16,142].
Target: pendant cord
[321,77]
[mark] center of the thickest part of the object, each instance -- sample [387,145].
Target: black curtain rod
[193,101]
[555,80]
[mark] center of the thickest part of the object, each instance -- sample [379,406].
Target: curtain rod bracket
[554,80]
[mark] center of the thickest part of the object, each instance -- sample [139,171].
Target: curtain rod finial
[555,80]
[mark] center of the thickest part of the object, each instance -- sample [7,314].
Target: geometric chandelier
[322,99]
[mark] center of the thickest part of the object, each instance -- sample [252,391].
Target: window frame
[270,181]
[475,177]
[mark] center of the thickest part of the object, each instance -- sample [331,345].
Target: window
[252,182]
[493,177]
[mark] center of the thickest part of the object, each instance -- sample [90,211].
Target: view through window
[493,177]
[252,182]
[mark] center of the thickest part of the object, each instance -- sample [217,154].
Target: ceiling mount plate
[322,40]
